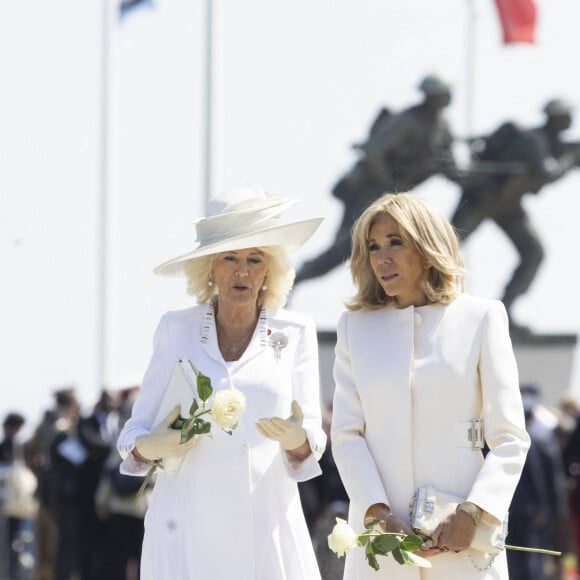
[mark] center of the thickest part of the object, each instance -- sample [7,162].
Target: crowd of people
[426,397]
[79,518]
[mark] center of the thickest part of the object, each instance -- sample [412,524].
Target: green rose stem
[189,426]
[523,549]
[147,479]
[401,546]
[536,550]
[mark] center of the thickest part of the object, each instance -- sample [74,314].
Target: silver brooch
[278,341]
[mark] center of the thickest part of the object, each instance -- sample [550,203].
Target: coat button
[417,319]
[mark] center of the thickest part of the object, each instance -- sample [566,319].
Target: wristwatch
[472,510]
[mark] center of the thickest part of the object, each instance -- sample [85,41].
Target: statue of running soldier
[510,163]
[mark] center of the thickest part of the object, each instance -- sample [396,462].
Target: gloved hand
[163,441]
[288,432]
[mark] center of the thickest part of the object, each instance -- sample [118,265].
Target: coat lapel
[208,334]
[259,339]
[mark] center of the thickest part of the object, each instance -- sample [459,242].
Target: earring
[264,284]
[210,280]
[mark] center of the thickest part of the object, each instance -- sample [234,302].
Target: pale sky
[295,84]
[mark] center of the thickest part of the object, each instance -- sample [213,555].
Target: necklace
[236,348]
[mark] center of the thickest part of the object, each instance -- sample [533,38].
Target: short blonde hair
[427,230]
[280,278]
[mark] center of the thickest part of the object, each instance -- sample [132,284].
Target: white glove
[163,441]
[288,432]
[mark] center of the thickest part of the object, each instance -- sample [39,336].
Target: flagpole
[470,67]
[103,201]
[207,145]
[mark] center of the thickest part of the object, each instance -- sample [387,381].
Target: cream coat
[233,510]
[405,380]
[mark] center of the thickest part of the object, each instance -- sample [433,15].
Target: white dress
[233,511]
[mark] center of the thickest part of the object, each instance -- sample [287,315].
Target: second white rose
[227,408]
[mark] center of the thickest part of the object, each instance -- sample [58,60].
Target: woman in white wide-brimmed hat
[232,510]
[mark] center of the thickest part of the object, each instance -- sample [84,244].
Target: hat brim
[290,236]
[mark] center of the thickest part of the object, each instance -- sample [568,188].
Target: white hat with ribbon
[244,217]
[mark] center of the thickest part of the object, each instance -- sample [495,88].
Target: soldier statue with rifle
[402,150]
[506,165]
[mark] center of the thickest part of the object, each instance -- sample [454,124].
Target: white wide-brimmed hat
[244,217]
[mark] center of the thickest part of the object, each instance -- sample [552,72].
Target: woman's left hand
[455,533]
[288,432]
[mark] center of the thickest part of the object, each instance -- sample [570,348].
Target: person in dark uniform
[97,433]
[539,500]
[54,422]
[517,162]
[402,151]
[66,455]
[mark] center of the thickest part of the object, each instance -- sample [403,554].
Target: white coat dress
[406,381]
[233,510]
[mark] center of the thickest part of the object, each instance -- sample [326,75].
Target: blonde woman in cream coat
[416,361]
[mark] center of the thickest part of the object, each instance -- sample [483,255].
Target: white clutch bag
[180,390]
[430,506]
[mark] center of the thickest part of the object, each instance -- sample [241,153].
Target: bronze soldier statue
[510,163]
[401,151]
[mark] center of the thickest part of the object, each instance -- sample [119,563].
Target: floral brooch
[278,341]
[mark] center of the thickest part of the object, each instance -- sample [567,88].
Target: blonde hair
[427,230]
[280,278]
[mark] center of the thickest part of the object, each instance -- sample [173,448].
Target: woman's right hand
[388,522]
[163,441]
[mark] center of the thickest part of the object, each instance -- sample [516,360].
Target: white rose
[342,539]
[227,408]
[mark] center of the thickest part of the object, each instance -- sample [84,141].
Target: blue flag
[126,6]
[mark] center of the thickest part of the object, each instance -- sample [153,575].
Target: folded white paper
[181,390]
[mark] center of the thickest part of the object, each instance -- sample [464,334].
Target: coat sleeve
[353,458]
[147,404]
[306,390]
[503,417]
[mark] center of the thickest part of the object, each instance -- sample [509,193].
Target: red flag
[518,20]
